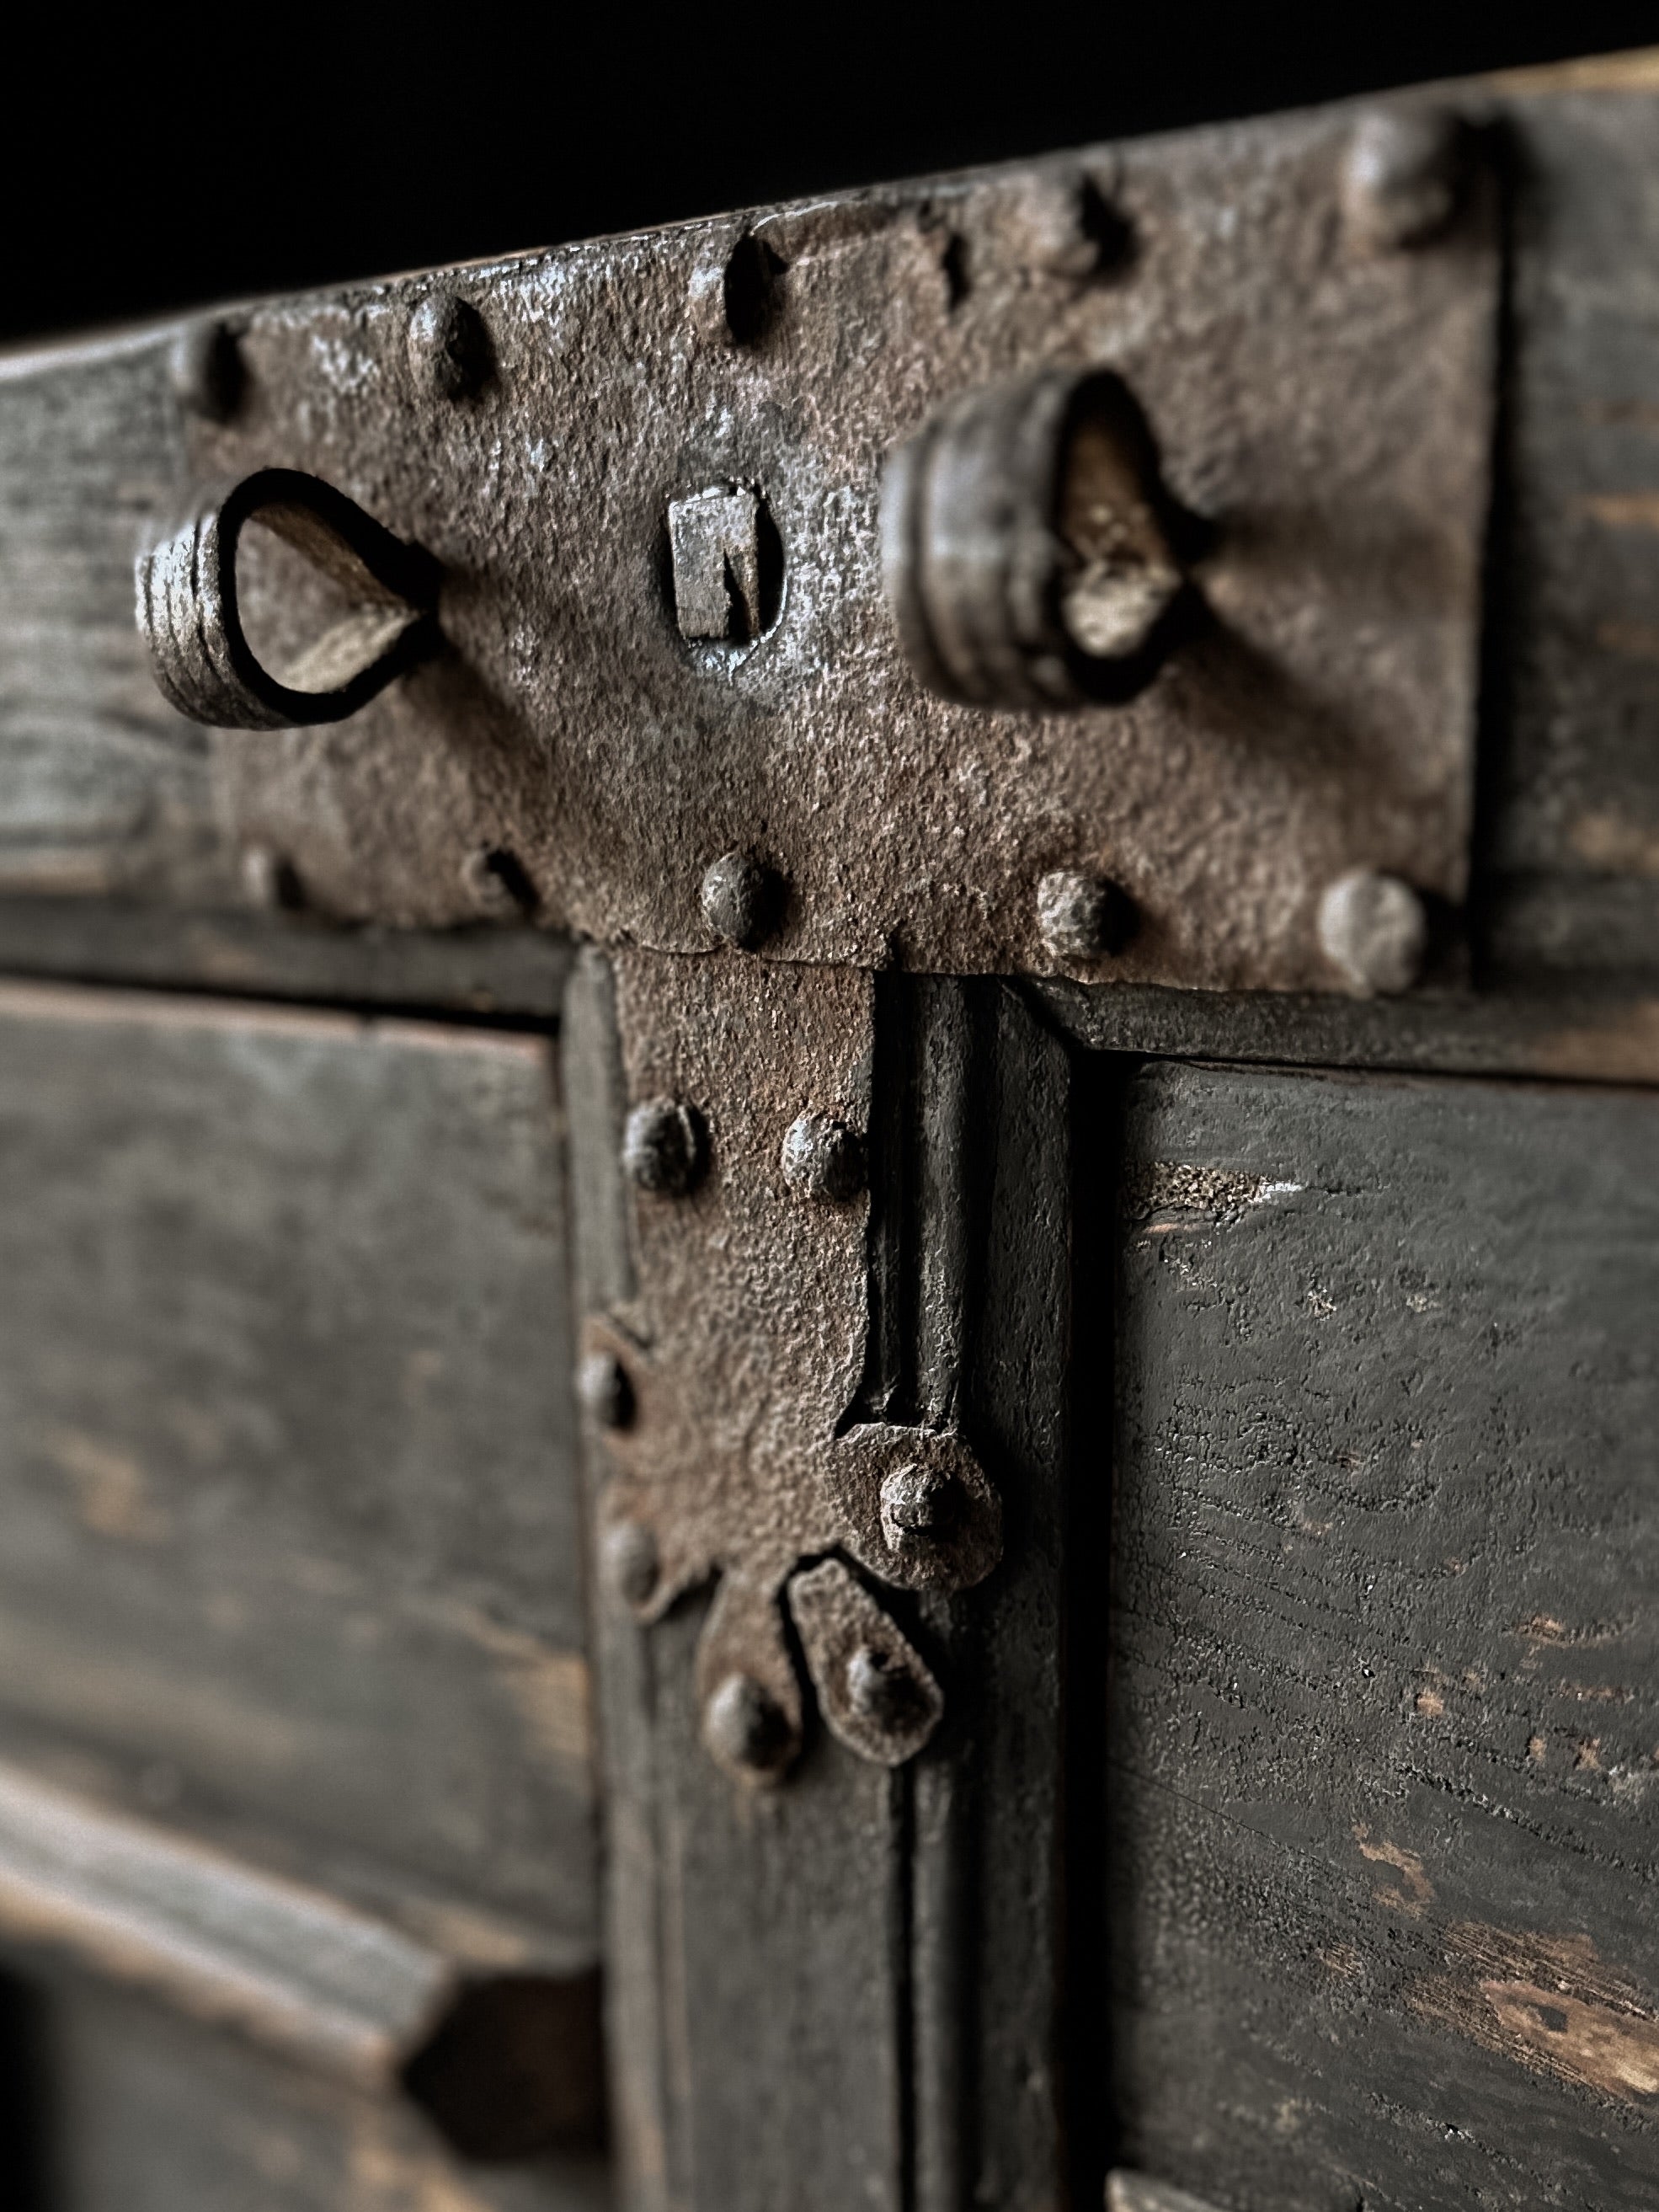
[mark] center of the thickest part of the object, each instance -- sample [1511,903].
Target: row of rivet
[1399,184]
[1371,926]
[665,1151]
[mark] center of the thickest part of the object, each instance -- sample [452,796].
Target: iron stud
[1372,928]
[663,1148]
[823,1159]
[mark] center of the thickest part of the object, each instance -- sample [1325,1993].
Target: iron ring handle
[1032,556]
[190,617]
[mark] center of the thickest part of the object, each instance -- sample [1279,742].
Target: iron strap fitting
[724,1390]
[1067,569]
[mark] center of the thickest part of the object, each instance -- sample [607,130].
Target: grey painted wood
[1382,1698]
[1572,800]
[291,1549]
[971,1254]
[151,2113]
[505,2065]
[1009,1683]
[511,970]
[1584,1031]
[282,1963]
[103,789]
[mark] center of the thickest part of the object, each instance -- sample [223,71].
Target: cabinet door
[1383,1735]
[293,1701]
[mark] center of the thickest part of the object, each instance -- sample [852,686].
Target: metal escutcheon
[1026,545]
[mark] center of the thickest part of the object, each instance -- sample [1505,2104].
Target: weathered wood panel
[274,954]
[752,1937]
[291,1549]
[104,787]
[1385,1700]
[504,2064]
[151,2113]
[1591,1031]
[1573,799]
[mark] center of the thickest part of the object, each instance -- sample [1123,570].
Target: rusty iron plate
[599,442]
[727,1419]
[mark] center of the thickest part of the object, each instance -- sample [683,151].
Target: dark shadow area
[515,2069]
[170,165]
[25,2100]
[1097,1103]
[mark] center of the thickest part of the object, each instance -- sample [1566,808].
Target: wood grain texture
[1382,1715]
[508,970]
[104,788]
[1007,1768]
[1589,1031]
[151,2112]
[285,1965]
[1571,807]
[291,1548]
[105,793]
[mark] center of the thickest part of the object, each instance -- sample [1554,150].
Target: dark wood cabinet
[830,1204]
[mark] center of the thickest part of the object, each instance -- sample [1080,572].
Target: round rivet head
[605,1392]
[631,1564]
[449,347]
[496,884]
[269,880]
[878,1691]
[1402,177]
[1373,930]
[741,899]
[664,1149]
[823,1159]
[917,1505]
[1082,916]
[747,1729]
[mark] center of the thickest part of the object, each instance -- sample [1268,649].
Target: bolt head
[1082,916]
[1373,930]
[741,899]
[205,370]
[449,348]
[917,1503]
[877,1690]
[747,1729]
[823,1159]
[1402,177]
[632,1566]
[607,1393]
[495,882]
[270,881]
[663,1148]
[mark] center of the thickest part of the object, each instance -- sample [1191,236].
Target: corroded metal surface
[661,419]
[874,1692]
[740,1357]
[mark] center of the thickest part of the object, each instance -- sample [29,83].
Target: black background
[180,158]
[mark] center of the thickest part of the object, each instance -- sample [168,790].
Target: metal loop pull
[1031,555]
[188,611]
